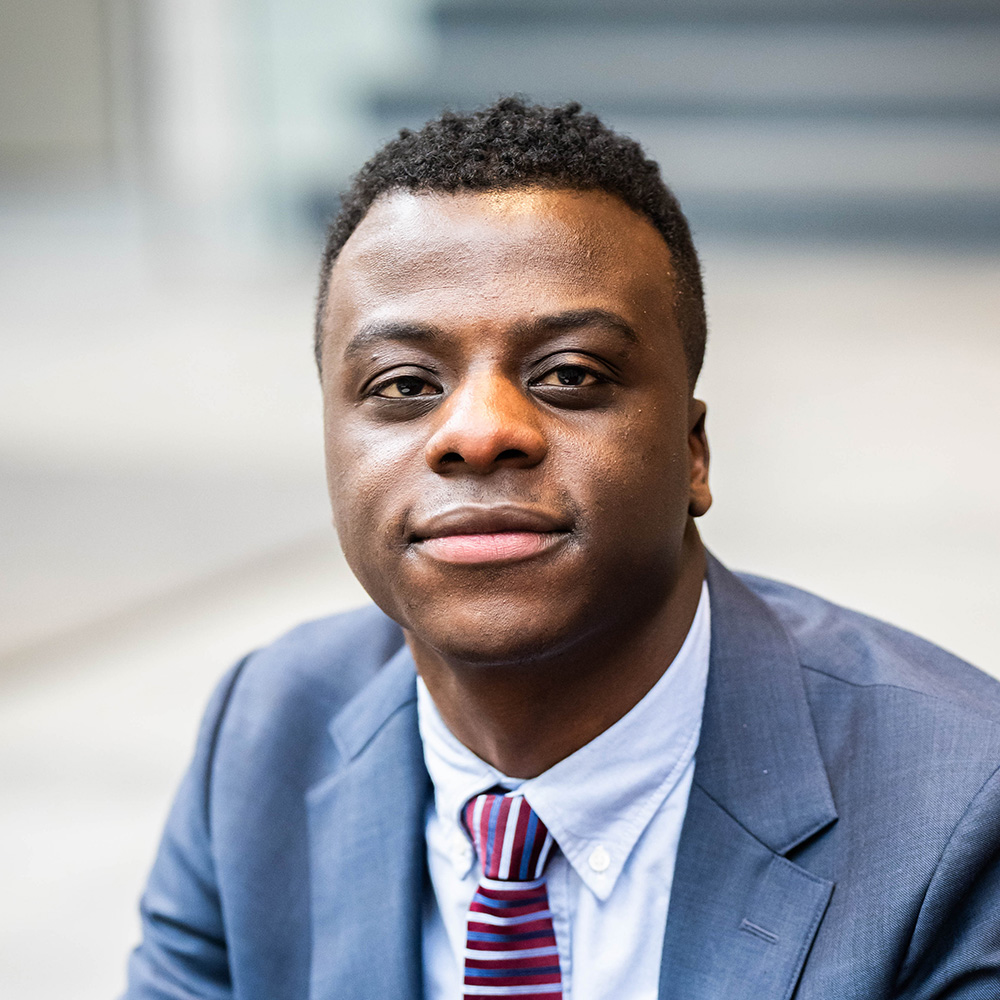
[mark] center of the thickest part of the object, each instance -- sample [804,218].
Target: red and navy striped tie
[511,949]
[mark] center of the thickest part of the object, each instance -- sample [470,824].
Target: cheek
[367,469]
[636,475]
[365,475]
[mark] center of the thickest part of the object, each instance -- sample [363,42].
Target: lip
[477,534]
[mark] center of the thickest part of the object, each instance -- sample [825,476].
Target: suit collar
[742,917]
[758,756]
[366,844]
[393,688]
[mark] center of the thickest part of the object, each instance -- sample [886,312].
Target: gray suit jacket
[842,839]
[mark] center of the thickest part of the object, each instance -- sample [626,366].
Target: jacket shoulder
[286,694]
[863,651]
[332,658]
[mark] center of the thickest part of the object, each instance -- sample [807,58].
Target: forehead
[500,256]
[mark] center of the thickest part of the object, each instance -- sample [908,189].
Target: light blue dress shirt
[615,809]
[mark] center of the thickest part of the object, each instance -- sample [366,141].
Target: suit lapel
[742,916]
[366,842]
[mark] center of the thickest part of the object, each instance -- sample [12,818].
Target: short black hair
[512,144]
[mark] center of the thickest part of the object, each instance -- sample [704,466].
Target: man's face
[512,449]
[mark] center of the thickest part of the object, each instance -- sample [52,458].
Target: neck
[522,719]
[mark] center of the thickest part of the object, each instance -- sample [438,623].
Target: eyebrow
[390,331]
[573,318]
[410,332]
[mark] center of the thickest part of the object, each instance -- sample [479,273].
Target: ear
[699,495]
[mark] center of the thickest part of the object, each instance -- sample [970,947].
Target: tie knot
[512,843]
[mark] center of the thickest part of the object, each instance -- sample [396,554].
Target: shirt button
[599,859]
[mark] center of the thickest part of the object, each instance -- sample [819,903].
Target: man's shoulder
[287,692]
[851,648]
[334,655]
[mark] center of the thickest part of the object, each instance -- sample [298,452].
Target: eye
[405,387]
[569,375]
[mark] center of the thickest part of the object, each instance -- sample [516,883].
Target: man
[572,755]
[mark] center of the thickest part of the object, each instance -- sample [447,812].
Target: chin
[496,633]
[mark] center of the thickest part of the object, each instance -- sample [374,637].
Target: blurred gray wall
[54,90]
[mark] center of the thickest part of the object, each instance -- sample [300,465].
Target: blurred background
[166,169]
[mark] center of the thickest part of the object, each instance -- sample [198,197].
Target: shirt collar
[598,801]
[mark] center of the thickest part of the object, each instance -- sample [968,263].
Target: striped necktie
[511,949]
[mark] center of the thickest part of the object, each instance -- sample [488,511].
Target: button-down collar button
[599,859]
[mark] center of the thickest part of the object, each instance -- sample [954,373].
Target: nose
[486,424]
